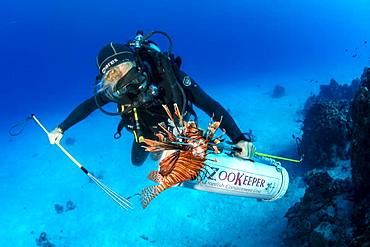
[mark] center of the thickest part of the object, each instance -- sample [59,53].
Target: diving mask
[113,75]
[133,82]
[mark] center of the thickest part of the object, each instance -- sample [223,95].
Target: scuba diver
[140,78]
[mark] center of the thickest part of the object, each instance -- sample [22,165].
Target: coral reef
[322,217]
[327,125]
[326,133]
[333,92]
[336,212]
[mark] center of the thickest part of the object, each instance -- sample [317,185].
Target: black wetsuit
[149,117]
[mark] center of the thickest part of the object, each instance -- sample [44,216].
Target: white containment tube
[238,177]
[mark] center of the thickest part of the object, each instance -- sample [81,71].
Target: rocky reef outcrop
[333,92]
[327,124]
[327,133]
[321,218]
[336,211]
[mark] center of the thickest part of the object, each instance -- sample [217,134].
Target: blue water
[236,50]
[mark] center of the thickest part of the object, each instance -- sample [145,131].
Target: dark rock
[317,220]
[322,235]
[43,241]
[278,92]
[361,222]
[361,138]
[361,162]
[147,239]
[59,208]
[144,237]
[70,206]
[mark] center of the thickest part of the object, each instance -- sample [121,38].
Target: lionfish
[186,147]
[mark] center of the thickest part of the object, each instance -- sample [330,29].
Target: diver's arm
[83,110]
[210,106]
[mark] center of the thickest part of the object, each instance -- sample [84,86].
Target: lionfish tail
[148,194]
[155,176]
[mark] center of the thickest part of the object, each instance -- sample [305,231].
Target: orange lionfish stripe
[187,161]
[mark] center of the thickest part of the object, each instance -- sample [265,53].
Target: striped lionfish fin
[149,193]
[155,176]
[167,164]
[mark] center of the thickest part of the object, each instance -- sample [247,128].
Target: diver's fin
[155,176]
[148,194]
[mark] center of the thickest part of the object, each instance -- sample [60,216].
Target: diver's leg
[138,154]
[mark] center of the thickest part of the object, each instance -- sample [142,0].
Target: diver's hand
[248,150]
[55,136]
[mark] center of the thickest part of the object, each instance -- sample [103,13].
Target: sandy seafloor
[36,175]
